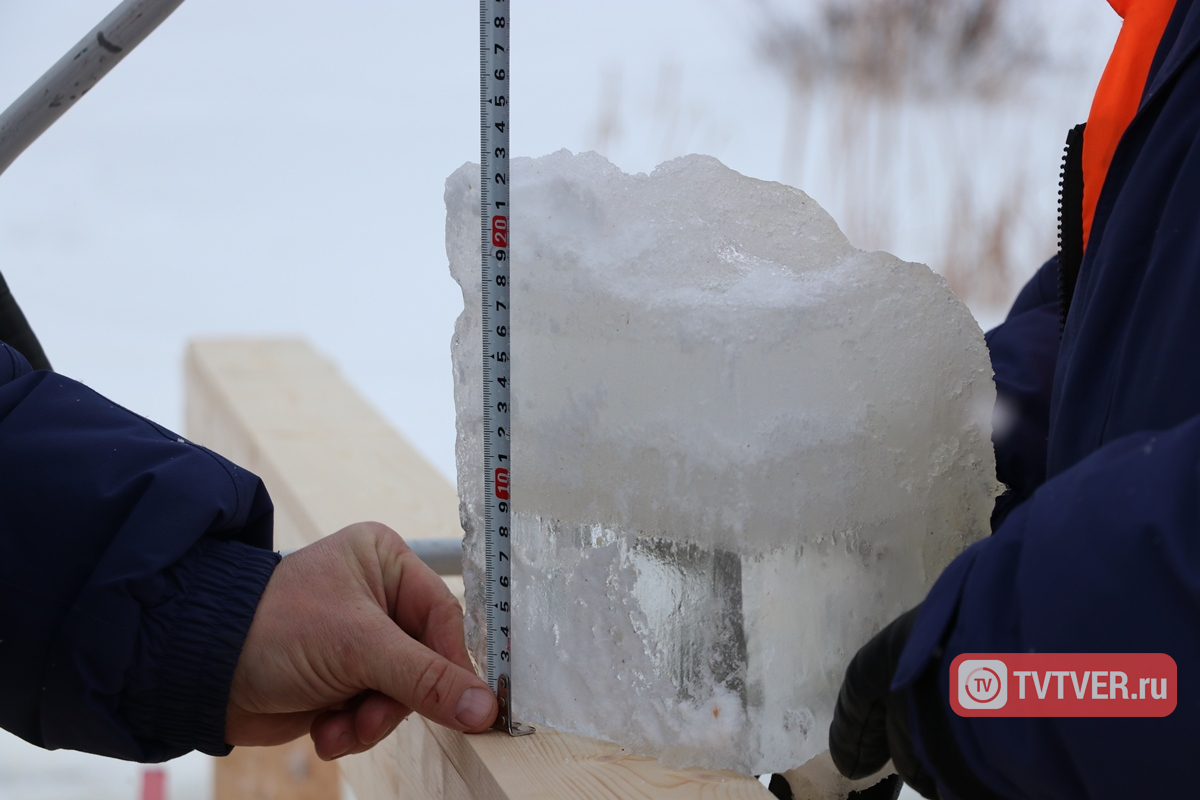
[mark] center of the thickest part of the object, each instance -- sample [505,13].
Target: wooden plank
[288,772]
[329,459]
[409,764]
[556,766]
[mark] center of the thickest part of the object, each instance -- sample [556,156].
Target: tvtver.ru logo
[982,683]
[1063,685]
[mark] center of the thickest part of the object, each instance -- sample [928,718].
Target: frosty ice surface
[741,446]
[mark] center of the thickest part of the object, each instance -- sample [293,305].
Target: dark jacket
[131,562]
[1104,555]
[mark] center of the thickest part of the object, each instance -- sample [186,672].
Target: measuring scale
[495,213]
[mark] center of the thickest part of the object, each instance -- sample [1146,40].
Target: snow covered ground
[276,168]
[29,773]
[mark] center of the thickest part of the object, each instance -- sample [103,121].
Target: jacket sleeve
[1024,352]
[1122,524]
[131,562]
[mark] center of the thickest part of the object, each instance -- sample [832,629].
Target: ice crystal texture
[741,446]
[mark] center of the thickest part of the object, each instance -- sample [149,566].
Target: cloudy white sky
[276,168]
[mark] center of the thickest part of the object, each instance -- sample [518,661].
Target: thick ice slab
[741,447]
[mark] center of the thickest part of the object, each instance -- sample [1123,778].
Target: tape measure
[495,213]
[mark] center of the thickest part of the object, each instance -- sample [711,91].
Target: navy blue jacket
[1104,555]
[131,562]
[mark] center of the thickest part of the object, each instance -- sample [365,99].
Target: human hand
[870,722]
[352,634]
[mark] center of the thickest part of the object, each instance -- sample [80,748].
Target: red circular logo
[983,684]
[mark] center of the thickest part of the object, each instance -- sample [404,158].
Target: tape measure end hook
[504,720]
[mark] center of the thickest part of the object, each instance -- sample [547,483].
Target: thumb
[431,685]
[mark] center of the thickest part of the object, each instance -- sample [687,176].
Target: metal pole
[444,556]
[77,72]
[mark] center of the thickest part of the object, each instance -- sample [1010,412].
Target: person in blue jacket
[1097,544]
[143,613]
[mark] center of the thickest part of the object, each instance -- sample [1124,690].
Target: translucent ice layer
[741,447]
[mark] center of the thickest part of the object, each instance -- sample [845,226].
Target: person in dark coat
[1097,544]
[143,613]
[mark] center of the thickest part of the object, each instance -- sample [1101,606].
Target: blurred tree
[888,47]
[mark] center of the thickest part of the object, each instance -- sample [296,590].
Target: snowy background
[268,168]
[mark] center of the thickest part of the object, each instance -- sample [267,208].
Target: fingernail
[344,745]
[388,723]
[474,707]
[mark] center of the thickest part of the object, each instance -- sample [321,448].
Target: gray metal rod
[443,556]
[77,72]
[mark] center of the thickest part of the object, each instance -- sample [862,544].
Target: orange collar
[1120,92]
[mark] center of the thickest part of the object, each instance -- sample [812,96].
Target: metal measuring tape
[495,214]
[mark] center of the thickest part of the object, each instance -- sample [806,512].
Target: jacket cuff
[192,648]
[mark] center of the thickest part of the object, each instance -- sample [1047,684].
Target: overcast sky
[276,167]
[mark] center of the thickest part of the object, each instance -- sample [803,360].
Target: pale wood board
[328,459]
[288,772]
[556,766]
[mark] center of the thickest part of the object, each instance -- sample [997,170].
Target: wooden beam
[329,459]
[288,772]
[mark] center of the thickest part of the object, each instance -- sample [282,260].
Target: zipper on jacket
[1070,221]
